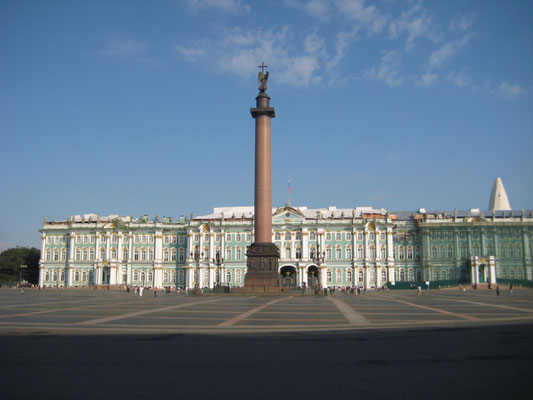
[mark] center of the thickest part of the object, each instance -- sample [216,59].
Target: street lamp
[218,262]
[318,259]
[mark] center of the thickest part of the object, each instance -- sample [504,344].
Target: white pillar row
[107,248]
[390,245]
[366,274]
[304,276]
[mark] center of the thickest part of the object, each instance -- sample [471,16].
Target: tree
[12,259]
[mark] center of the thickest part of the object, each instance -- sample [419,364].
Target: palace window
[103,238]
[206,277]
[328,236]
[338,275]
[287,236]
[349,253]
[228,276]
[124,254]
[165,276]
[63,254]
[401,253]
[173,255]
[49,240]
[136,255]
[442,253]
[328,253]
[371,236]
[360,252]
[181,255]
[361,276]
[312,252]
[174,239]
[77,276]
[143,254]
[56,255]
[328,276]
[402,275]
[238,254]
[338,237]
[217,237]
[113,253]
[228,237]
[287,253]
[383,252]
[338,253]
[450,251]
[312,235]
[166,240]
[136,239]
[151,254]
[237,237]
[150,276]
[349,276]
[228,254]
[475,249]
[359,236]
[181,239]
[114,239]
[181,276]
[383,275]
[165,255]
[348,236]
[410,275]
[417,253]
[298,253]
[47,276]
[382,236]
[248,237]
[409,252]
[91,254]
[78,254]
[238,276]
[85,239]
[372,252]
[150,238]
[434,252]
[84,254]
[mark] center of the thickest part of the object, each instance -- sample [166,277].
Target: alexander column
[262,255]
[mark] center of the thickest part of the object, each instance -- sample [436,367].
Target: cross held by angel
[262,77]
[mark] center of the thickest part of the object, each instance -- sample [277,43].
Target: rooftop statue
[262,78]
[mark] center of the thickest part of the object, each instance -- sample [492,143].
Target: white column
[392,279]
[201,242]
[190,245]
[304,276]
[377,249]
[200,276]
[492,267]
[390,245]
[107,248]
[474,270]
[222,273]
[323,277]
[71,243]
[367,252]
[189,284]
[212,245]
[113,275]
[378,276]
[43,247]
[130,256]
[158,246]
[41,275]
[365,271]
[211,277]
[158,277]
[68,276]
[119,247]
[305,244]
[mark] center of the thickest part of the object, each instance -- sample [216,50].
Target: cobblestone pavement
[85,344]
[88,311]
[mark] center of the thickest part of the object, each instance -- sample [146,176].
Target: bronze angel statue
[262,79]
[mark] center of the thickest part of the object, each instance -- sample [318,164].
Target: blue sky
[135,107]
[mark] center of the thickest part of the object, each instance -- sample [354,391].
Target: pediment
[288,214]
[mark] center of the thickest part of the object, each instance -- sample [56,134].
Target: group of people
[139,290]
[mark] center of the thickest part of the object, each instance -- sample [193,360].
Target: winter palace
[328,246]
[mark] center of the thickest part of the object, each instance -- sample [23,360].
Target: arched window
[48,255]
[78,254]
[360,236]
[136,254]
[150,276]
[519,273]
[124,254]
[401,252]
[84,276]
[102,253]
[371,236]
[312,252]
[237,237]
[56,255]
[463,251]
[113,253]
[165,255]
[382,236]
[181,255]
[228,277]
[77,276]
[361,276]
[173,255]
[372,276]
[238,276]
[435,274]
[63,254]
[383,275]
[434,252]
[47,276]
[348,236]
[338,237]
[181,276]
[287,253]
[511,273]
[383,252]
[91,254]
[228,253]
[84,254]
[410,274]
[349,276]
[402,275]
[442,253]
[143,254]
[360,252]
[328,236]
[418,275]
[451,273]
[372,252]
[348,253]
[338,253]
[151,254]
[287,236]
[409,252]
[328,276]
[475,248]
[328,253]
[298,253]
[62,276]
[417,253]
[338,275]
[277,236]
[312,235]
[443,275]
[238,254]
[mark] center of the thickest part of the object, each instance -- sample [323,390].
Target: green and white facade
[342,247]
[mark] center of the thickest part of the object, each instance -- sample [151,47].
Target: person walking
[497,290]
[155,292]
[419,291]
[510,289]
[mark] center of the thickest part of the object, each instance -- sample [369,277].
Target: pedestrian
[419,291]
[141,290]
[510,289]
[22,290]
[497,290]
[155,292]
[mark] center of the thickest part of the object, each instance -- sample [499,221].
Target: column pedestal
[262,264]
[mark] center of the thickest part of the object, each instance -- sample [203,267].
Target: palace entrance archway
[288,276]
[312,277]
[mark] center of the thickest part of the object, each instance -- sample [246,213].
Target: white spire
[498,197]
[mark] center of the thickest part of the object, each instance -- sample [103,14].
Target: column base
[262,265]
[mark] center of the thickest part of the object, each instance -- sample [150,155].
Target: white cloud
[415,23]
[462,23]
[342,42]
[239,52]
[447,52]
[388,71]
[368,16]
[227,6]
[510,91]
[460,79]
[427,80]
